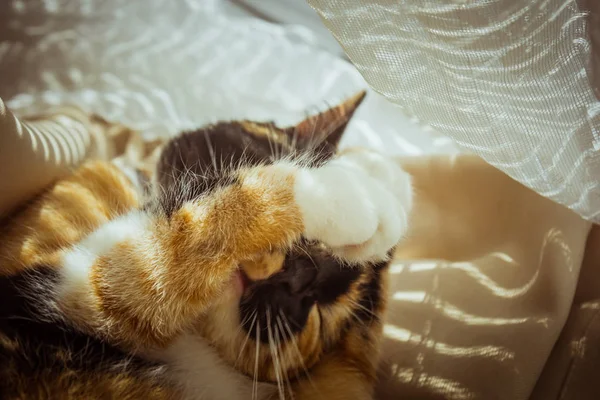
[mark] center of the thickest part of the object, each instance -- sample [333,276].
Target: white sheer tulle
[510,80]
[163,66]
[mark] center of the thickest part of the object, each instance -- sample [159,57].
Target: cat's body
[227,279]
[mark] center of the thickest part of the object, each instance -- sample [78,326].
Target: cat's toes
[336,205]
[357,204]
[392,226]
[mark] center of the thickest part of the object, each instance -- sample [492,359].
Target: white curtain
[510,80]
[164,66]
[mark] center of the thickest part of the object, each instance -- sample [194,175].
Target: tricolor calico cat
[250,265]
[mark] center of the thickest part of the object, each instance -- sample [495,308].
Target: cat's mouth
[244,284]
[250,273]
[241,282]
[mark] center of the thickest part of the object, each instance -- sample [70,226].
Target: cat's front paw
[357,204]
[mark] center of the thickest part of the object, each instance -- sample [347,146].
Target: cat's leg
[143,277]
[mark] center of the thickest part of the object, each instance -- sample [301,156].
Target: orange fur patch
[64,214]
[263,265]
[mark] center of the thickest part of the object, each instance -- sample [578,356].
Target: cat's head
[290,308]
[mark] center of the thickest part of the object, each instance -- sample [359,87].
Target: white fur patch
[203,375]
[78,261]
[358,204]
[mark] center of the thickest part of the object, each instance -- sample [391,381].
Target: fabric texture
[513,81]
[35,151]
[481,289]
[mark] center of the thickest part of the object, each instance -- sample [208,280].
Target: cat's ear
[326,128]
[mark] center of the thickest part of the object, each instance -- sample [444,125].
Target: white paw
[357,204]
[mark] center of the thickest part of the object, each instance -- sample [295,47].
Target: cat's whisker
[247,318]
[211,150]
[295,138]
[309,256]
[360,307]
[241,161]
[352,313]
[271,147]
[256,354]
[247,337]
[275,152]
[296,348]
[282,354]
[273,351]
[271,135]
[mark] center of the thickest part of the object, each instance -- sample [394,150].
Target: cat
[251,264]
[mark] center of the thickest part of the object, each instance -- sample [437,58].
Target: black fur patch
[50,344]
[371,295]
[304,280]
[197,162]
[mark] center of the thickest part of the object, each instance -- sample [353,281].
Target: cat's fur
[253,265]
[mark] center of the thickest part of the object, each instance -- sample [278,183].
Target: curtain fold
[37,150]
[510,80]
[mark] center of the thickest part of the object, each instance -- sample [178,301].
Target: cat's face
[285,309]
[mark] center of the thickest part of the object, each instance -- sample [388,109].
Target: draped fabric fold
[37,150]
[512,81]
